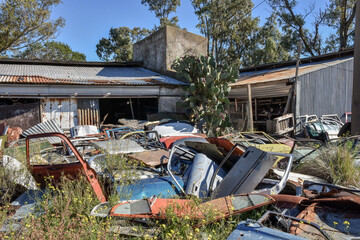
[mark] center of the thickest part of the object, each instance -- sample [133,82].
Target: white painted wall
[63,111]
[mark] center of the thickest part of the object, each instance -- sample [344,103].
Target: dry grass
[335,164]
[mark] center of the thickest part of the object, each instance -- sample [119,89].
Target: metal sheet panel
[119,146]
[40,91]
[288,72]
[326,91]
[246,174]
[45,127]
[254,230]
[62,111]
[146,188]
[271,89]
[79,75]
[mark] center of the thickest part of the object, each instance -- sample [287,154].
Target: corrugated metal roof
[284,73]
[81,75]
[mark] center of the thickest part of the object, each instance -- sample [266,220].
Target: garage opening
[264,109]
[129,108]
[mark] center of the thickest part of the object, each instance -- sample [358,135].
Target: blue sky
[87,21]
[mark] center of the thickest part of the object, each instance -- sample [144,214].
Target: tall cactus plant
[207,92]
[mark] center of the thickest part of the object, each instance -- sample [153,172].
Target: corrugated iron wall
[88,112]
[63,111]
[326,91]
[266,90]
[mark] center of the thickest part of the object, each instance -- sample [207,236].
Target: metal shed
[73,93]
[324,86]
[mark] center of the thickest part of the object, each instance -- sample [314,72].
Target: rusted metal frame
[173,150]
[157,209]
[88,171]
[310,183]
[230,207]
[268,213]
[288,199]
[271,139]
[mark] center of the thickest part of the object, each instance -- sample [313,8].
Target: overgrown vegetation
[208,91]
[64,212]
[184,227]
[336,164]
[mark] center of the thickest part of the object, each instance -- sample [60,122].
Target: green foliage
[208,90]
[162,10]
[118,46]
[7,187]
[186,227]
[336,164]
[65,207]
[271,45]
[340,15]
[229,27]
[123,171]
[65,215]
[52,50]
[25,22]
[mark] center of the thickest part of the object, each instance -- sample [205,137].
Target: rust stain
[45,80]
[82,164]
[274,75]
[307,214]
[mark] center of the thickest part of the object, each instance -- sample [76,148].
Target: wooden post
[290,94]
[256,113]
[97,118]
[355,107]
[242,111]
[79,116]
[296,81]
[88,116]
[251,121]
[131,108]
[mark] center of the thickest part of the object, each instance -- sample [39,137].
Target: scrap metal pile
[231,175]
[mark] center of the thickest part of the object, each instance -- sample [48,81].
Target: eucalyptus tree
[118,46]
[26,22]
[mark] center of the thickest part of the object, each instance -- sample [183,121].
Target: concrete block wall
[159,50]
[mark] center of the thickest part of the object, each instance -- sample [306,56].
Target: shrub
[335,164]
